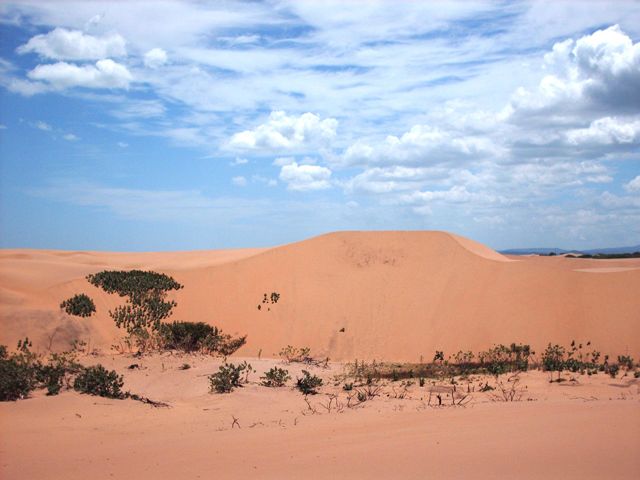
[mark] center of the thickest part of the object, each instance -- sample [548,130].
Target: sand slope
[398,295]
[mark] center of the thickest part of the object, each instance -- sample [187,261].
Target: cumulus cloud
[422,144]
[607,131]
[239,181]
[633,185]
[598,72]
[70,137]
[40,125]
[62,75]
[155,58]
[284,132]
[305,177]
[63,44]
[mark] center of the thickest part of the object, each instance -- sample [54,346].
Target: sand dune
[397,295]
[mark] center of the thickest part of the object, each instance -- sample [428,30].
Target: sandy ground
[350,295]
[587,428]
[397,295]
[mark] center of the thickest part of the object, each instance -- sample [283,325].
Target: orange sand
[398,295]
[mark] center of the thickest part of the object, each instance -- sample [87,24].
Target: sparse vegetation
[80,305]
[97,380]
[198,336]
[146,304]
[308,384]
[228,377]
[275,377]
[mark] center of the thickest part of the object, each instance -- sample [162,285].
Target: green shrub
[17,377]
[276,377]
[187,336]
[97,380]
[79,305]
[308,384]
[146,294]
[294,354]
[613,370]
[227,378]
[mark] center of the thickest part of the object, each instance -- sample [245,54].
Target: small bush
[308,384]
[294,354]
[186,336]
[79,305]
[613,370]
[17,378]
[198,336]
[97,380]
[227,378]
[276,377]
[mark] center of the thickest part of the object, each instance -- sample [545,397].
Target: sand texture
[397,295]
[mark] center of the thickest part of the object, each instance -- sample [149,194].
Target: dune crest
[396,295]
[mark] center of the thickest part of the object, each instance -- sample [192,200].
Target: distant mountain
[560,251]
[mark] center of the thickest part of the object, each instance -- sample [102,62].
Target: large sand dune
[397,295]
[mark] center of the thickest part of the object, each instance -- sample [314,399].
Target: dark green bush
[79,305]
[17,378]
[97,380]
[275,377]
[146,295]
[187,336]
[228,377]
[308,384]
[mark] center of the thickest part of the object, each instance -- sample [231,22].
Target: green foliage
[228,377]
[18,372]
[188,336]
[613,370]
[97,380]
[294,354]
[79,305]
[146,295]
[308,384]
[275,377]
[625,361]
[553,358]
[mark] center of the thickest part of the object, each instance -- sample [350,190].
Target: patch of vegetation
[275,377]
[228,377]
[97,380]
[308,384]
[80,305]
[605,256]
[146,304]
[17,372]
[198,336]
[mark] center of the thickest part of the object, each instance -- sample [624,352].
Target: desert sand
[398,296]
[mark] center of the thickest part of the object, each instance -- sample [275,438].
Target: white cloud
[422,144]
[238,161]
[598,72]
[64,44]
[239,181]
[70,137]
[606,131]
[305,177]
[283,132]
[62,75]
[122,144]
[155,58]
[633,185]
[40,125]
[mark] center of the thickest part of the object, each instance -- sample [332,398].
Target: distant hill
[560,251]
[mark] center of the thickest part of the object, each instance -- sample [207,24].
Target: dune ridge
[398,295]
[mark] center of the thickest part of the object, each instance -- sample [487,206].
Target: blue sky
[196,125]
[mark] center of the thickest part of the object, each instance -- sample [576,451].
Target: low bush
[198,336]
[308,384]
[228,377]
[276,377]
[97,380]
[17,373]
[79,305]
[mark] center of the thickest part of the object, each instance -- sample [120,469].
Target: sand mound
[384,295]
